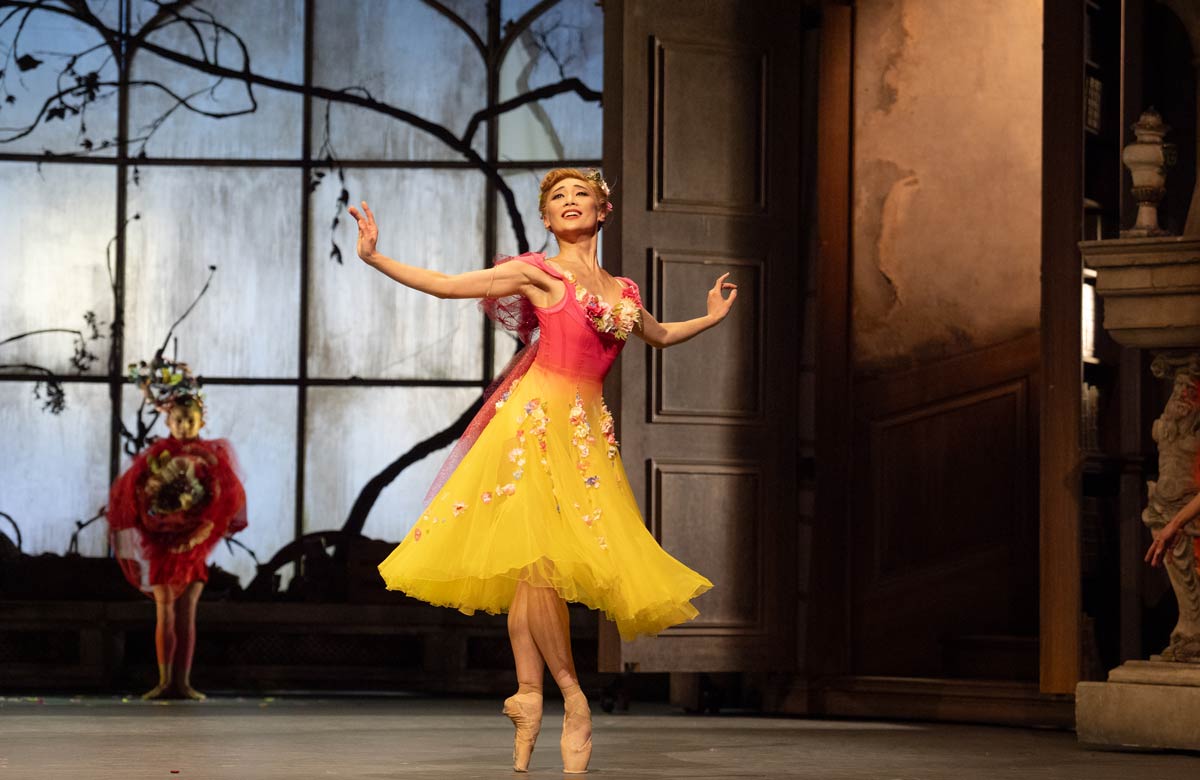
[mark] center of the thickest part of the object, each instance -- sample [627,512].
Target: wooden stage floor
[96,738]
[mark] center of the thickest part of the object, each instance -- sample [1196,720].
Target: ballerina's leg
[524,708]
[164,639]
[530,665]
[185,647]
[550,625]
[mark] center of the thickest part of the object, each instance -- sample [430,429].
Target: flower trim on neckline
[618,319]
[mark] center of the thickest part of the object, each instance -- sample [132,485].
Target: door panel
[691,387]
[684,489]
[708,153]
[702,133]
[945,547]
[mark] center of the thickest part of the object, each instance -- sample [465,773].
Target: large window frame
[492,47]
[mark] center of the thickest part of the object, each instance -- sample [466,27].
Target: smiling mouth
[572,213]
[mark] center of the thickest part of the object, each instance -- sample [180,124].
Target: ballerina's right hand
[368,232]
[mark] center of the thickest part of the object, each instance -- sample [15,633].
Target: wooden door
[701,144]
[943,526]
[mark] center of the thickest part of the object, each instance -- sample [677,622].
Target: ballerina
[533,508]
[180,497]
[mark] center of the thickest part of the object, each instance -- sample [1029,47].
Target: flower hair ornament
[166,383]
[596,178]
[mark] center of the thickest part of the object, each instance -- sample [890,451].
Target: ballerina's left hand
[718,304]
[368,231]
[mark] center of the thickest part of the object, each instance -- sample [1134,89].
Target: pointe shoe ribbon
[576,742]
[525,711]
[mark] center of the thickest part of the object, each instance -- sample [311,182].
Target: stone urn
[1146,159]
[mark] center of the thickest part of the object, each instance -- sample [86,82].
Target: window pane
[52,277]
[565,41]
[273,34]
[56,472]
[246,221]
[260,423]
[44,48]
[473,12]
[364,324]
[354,433]
[524,185]
[406,55]
[512,10]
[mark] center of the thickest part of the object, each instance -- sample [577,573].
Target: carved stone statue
[1177,434]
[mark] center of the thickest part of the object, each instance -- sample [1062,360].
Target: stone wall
[947,178]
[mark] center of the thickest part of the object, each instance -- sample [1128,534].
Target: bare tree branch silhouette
[16,528]
[171,13]
[75,91]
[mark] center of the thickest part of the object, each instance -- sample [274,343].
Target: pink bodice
[570,344]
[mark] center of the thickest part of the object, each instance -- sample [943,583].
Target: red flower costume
[168,511]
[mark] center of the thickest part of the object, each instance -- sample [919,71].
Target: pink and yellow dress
[541,496]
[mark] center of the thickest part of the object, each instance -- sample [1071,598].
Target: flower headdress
[167,383]
[595,177]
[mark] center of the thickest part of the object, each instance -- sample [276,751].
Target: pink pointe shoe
[525,711]
[576,742]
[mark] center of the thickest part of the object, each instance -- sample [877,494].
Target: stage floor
[373,739]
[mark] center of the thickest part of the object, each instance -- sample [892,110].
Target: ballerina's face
[572,207]
[185,422]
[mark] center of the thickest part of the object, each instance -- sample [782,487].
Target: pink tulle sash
[514,313]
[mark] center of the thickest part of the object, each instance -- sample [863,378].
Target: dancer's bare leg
[550,625]
[525,707]
[530,665]
[164,640]
[185,645]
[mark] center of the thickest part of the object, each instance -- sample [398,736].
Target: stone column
[1177,434]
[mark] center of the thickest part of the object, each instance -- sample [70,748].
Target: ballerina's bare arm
[496,282]
[1168,537]
[665,334]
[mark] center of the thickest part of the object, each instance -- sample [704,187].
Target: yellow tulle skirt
[542,498]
